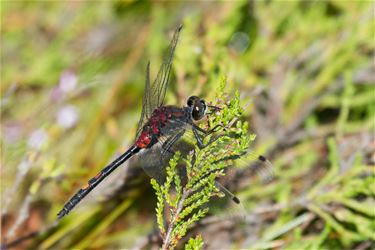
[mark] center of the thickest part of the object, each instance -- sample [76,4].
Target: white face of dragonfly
[198,107]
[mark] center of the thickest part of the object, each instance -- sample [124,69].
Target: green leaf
[194,243]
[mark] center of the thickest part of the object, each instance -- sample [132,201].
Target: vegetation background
[72,76]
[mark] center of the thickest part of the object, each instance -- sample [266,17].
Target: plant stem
[167,240]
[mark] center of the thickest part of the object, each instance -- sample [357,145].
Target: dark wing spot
[262,158]
[236,200]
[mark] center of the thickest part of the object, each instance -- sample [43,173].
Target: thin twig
[180,206]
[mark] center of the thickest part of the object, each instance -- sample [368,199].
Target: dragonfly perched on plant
[158,123]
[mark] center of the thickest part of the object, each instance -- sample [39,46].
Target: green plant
[307,66]
[180,205]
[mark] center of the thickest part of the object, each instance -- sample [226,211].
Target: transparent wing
[146,106]
[155,160]
[154,95]
[160,84]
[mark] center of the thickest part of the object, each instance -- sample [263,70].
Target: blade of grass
[51,240]
[103,225]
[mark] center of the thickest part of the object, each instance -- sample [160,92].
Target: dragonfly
[158,123]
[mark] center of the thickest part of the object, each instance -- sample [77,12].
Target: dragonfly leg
[197,129]
[168,144]
[199,139]
[207,132]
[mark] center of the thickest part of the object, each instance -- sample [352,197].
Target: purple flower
[37,139]
[67,116]
[68,81]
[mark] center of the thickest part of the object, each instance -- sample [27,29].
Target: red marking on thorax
[158,119]
[177,114]
[144,140]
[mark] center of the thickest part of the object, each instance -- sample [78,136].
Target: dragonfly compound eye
[189,102]
[199,110]
[192,101]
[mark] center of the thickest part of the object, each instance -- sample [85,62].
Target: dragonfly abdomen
[93,182]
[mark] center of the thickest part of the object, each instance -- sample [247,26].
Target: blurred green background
[72,77]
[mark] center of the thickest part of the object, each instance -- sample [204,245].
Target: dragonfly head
[198,107]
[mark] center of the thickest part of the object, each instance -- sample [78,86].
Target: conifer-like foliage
[180,205]
[71,88]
